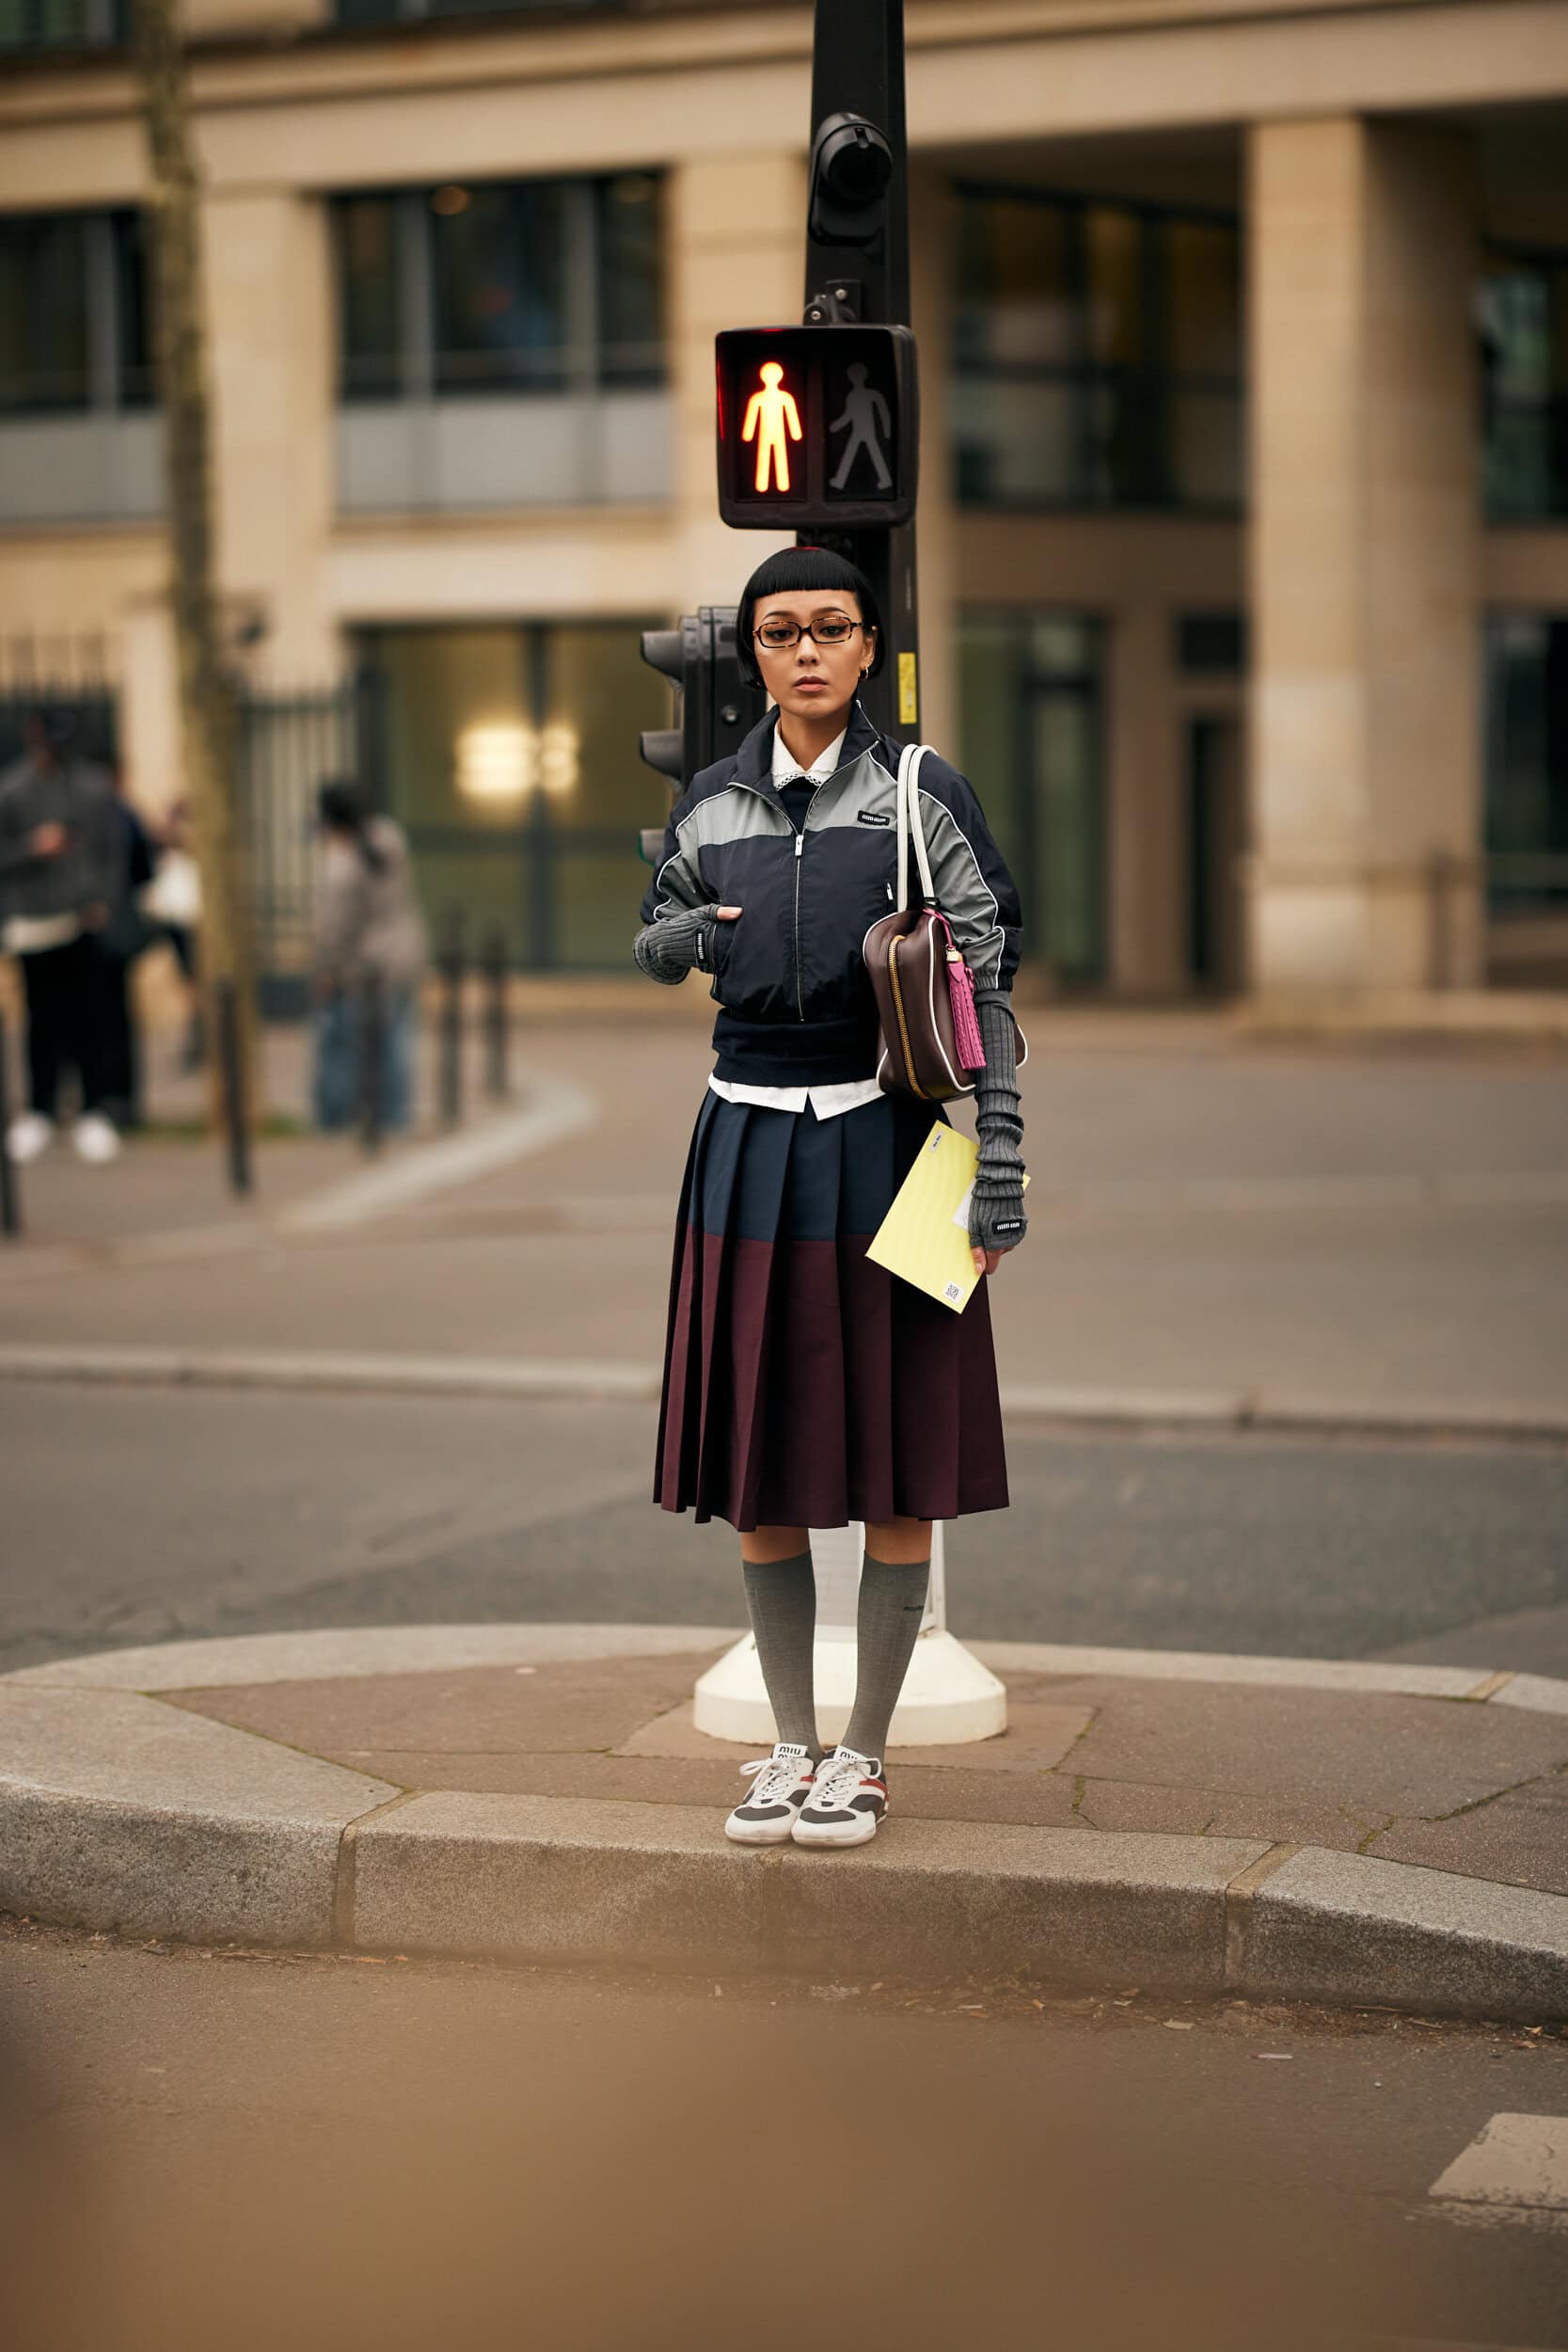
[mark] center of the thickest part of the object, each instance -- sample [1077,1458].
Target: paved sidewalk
[1283,1828]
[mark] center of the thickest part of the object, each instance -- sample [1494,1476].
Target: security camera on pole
[818,431]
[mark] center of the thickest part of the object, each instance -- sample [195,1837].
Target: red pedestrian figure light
[771,416]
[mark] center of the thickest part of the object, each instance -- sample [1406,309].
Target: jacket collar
[754,761]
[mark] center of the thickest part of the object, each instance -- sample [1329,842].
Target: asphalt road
[203,2149]
[147,1514]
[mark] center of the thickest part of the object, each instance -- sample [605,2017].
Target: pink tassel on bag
[966,1026]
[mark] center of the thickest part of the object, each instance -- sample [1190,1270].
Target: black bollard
[496,1079]
[232,1068]
[373,1061]
[10,1191]
[450,964]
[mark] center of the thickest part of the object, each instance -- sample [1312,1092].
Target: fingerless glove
[676,945]
[996,1218]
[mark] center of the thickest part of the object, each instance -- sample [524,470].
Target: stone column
[1365,546]
[737,254]
[269,309]
[149,704]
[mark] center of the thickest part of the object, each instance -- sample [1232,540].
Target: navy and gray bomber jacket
[795,999]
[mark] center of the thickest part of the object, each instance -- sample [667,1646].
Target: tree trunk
[207,708]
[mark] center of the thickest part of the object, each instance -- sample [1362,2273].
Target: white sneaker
[846,1803]
[28,1134]
[95,1138]
[781,1783]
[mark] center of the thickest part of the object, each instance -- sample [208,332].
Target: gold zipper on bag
[903,1025]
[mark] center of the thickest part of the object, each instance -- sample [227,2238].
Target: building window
[1212,645]
[1527,763]
[44,24]
[533,286]
[414,12]
[504,755]
[1031,694]
[1523,345]
[1097,355]
[502,345]
[73,332]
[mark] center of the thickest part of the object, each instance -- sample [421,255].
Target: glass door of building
[1217,842]
[510,756]
[1033,745]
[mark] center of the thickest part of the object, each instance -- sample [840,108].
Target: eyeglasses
[831,629]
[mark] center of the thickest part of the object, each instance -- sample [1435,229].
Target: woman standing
[370,948]
[804,1386]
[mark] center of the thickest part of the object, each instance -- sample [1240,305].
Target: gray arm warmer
[996,1217]
[668,949]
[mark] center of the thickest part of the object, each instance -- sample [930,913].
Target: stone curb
[119,1813]
[611,1381]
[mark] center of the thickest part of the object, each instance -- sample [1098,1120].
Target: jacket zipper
[799,852]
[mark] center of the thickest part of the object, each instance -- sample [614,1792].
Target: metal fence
[65,673]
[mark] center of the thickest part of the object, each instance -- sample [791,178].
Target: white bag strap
[910,820]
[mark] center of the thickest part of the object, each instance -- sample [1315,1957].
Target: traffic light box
[715,706]
[818,427]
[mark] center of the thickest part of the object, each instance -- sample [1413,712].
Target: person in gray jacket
[369,946]
[61,855]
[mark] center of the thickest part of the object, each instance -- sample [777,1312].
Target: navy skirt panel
[804,1386]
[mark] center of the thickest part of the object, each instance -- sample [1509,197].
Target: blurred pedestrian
[369,956]
[61,855]
[127,934]
[172,902]
[804,1386]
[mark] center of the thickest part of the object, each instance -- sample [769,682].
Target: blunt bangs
[791,572]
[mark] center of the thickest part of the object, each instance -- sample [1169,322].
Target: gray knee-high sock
[781,1597]
[892,1603]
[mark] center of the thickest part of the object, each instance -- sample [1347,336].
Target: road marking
[617,1378]
[558,1107]
[1514,2169]
[335,1370]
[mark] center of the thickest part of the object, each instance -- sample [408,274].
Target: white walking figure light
[772,414]
[865,412]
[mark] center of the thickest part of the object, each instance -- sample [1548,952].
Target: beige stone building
[1245,514]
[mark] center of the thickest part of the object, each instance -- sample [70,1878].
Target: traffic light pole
[858,267]
[857,275]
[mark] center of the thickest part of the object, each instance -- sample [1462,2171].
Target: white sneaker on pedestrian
[95,1138]
[846,1803]
[781,1783]
[28,1134]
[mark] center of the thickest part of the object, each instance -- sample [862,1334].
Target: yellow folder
[924,1236]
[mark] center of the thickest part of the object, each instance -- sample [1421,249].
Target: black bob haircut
[786,574]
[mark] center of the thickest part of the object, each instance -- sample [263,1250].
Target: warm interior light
[770,416]
[450,200]
[558,757]
[497,761]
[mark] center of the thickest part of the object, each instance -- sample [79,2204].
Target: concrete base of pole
[948,1696]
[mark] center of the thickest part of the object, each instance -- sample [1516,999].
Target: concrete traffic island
[1290,1829]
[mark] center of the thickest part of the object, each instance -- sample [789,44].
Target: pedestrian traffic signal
[818,426]
[715,706]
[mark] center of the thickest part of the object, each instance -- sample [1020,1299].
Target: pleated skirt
[804,1386]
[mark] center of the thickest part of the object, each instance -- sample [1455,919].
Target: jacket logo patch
[871,817]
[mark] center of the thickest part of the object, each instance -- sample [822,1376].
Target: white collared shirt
[828,1101]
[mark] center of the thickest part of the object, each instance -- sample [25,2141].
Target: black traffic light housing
[818,426]
[852,170]
[715,707]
